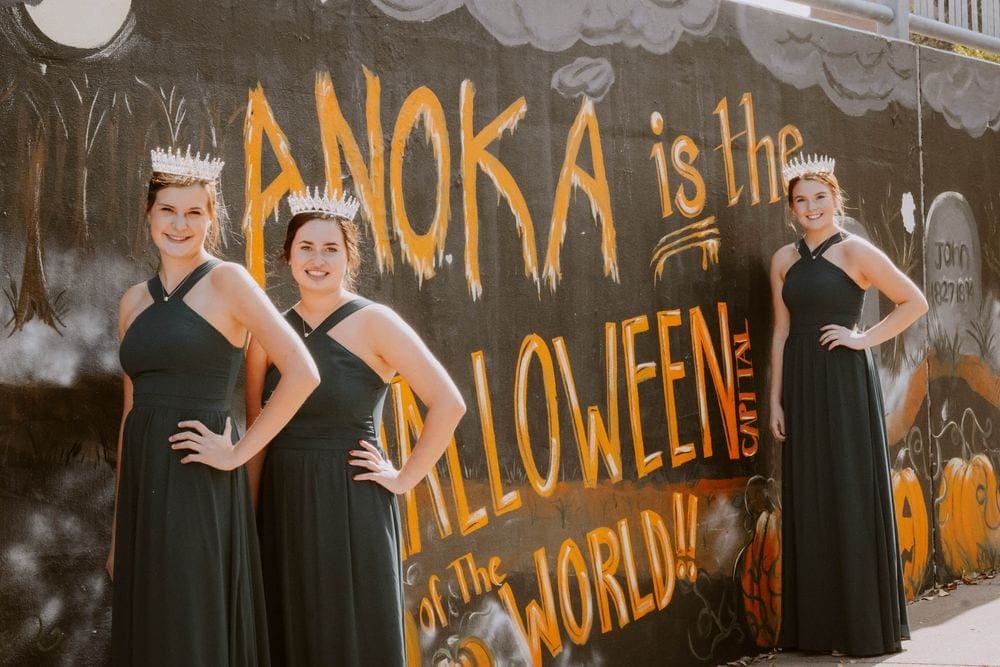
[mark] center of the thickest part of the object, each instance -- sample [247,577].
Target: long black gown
[842,581]
[187,585]
[330,545]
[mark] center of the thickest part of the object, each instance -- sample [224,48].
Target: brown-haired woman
[328,521]
[842,588]
[184,558]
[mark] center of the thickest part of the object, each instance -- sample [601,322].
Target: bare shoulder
[230,272]
[230,277]
[380,314]
[859,248]
[133,296]
[387,326]
[783,258]
[133,301]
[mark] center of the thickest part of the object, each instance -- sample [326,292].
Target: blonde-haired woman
[841,578]
[184,556]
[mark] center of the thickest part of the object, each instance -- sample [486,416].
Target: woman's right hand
[778,423]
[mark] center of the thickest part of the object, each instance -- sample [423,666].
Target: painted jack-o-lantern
[913,527]
[761,579]
[467,651]
[968,514]
[464,652]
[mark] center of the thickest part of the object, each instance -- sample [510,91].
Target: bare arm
[299,377]
[401,348]
[779,265]
[256,370]
[878,270]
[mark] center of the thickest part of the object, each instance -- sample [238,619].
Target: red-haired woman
[842,585]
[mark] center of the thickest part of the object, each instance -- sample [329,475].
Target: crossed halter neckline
[818,251]
[197,273]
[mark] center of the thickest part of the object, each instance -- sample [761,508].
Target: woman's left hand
[212,449]
[834,335]
[381,470]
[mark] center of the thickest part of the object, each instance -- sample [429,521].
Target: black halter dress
[187,584]
[842,586]
[330,545]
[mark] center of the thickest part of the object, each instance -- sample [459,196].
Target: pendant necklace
[814,254]
[166,294]
[312,330]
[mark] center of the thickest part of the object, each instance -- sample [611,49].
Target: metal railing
[982,16]
[974,23]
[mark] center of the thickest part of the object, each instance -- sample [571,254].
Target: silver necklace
[312,330]
[166,294]
[305,334]
[821,247]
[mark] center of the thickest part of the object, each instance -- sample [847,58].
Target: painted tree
[216,129]
[91,114]
[886,230]
[30,298]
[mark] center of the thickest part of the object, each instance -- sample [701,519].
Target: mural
[963,358]
[575,206]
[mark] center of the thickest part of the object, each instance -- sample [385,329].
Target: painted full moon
[80,24]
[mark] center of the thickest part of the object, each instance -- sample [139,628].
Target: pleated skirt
[842,586]
[331,555]
[187,583]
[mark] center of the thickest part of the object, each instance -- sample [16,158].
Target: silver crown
[340,205]
[805,164]
[185,164]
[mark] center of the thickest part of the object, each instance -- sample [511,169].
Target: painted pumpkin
[968,514]
[913,529]
[761,579]
[468,651]
[465,652]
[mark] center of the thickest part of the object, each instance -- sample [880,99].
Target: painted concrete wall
[575,206]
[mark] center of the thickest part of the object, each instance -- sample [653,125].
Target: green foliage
[885,229]
[947,349]
[983,333]
[977,53]
[961,49]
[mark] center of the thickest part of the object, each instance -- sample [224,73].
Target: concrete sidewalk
[960,629]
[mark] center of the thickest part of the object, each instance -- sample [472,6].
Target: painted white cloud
[859,72]
[964,90]
[417,10]
[555,25]
[592,77]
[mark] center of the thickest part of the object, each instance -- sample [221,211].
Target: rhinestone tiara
[808,164]
[185,164]
[340,205]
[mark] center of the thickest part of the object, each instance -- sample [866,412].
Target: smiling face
[322,251]
[318,256]
[180,218]
[814,203]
